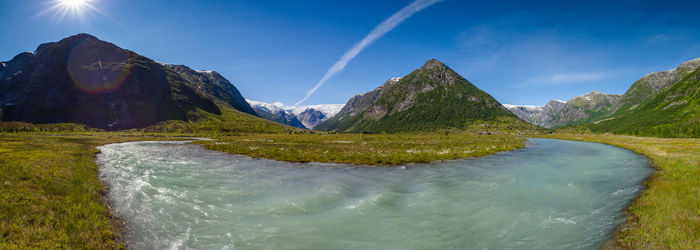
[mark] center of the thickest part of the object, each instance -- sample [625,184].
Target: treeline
[670,131]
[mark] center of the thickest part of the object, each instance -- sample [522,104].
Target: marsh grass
[50,193]
[51,196]
[372,149]
[667,214]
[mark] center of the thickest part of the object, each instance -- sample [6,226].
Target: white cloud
[378,31]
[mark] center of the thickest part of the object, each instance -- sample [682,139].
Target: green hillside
[431,98]
[673,112]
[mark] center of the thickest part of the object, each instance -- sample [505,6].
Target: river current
[553,194]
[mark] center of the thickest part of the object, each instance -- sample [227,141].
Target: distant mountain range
[430,98]
[665,103]
[307,117]
[82,79]
[577,110]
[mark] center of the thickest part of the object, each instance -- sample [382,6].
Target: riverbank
[667,214]
[551,194]
[51,194]
[366,149]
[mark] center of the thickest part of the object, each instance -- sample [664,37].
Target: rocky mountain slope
[578,110]
[312,115]
[82,79]
[654,83]
[276,112]
[538,115]
[663,104]
[213,84]
[430,98]
[302,117]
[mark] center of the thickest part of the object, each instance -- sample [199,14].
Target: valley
[67,98]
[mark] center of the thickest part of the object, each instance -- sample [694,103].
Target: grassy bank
[50,193]
[377,149]
[667,214]
[51,196]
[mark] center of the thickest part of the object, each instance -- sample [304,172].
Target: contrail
[381,29]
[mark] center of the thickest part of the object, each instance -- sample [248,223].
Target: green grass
[50,193]
[667,214]
[52,196]
[376,149]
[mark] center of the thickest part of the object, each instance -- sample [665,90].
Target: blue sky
[521,52]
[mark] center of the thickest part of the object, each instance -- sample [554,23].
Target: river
[552,194]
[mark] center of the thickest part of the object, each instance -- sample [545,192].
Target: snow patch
[270,107]
[526,107]
[394,80]
[327,109]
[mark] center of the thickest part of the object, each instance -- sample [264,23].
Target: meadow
[366,149]
[52,196]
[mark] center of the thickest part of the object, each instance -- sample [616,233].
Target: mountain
[430,98]
[302,117]
[654,83]
[276,112]
[213,84]
[538,115]
[312,115]
[663,104]
[82,79]
[578,110]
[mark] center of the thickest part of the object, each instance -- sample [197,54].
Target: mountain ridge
[577,110]
[82,79]
[663,103]
[431,97]
[307,117]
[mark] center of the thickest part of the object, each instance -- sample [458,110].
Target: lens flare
[73,4]
[75,8]
[95,68]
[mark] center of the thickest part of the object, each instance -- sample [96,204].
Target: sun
[75,8]
[78,7]
[73,4]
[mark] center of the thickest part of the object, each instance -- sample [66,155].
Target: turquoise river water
[552,194]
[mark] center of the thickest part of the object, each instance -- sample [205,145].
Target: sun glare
[73,4]
[75,8]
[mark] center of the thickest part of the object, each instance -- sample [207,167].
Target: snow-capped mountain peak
[327,109]
[524,107]
[309,116]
